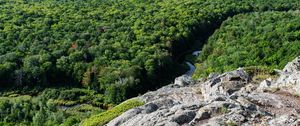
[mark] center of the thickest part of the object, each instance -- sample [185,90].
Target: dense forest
[50,107]
[113,50]
[267,40]
[113,47]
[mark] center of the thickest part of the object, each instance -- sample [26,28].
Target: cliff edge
[231,98]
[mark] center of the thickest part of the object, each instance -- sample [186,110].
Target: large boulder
[183,80]
[293,66]
[225,84]
[289,79]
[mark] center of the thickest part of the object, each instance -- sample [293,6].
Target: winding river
[191,66]
[191,70]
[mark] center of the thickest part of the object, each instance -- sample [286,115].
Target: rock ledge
[229,98]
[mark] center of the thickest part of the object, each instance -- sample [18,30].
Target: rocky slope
[231,98]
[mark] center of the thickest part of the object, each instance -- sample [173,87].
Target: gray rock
[283,120]
[290,81]
[213,109]
[213,122]
[202,115]
[212,75]
[293,66]
[148,108]
[236,118]
[170,124]
[124,117]
[266,99]
[225,84]
[289,77]
[182,117]
[166,103]
[228,98]
[183,80]
[246,103]
[265,85]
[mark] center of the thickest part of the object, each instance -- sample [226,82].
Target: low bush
[105,117]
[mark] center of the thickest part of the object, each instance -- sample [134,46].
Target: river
[191,66]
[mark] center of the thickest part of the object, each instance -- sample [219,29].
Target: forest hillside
[63,61]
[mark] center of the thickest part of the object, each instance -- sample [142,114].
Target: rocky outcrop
[224,85]
[230,98]
[183,80]
[288,80]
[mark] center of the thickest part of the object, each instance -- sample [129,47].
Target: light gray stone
[289,77]
[293,66]
[283,120]
[218,100]
[265,85]
[183,80]
[224,85]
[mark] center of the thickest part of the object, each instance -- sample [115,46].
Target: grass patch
[258,73]
[105,117]
[230,123]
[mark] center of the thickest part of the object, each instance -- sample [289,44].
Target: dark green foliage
[51,107]
[24,110]
[71,122]
[268,40]
[118,49]
[99,43]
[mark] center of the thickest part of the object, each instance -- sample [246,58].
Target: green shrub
[6,124]
[230,123]
[70,121]
[50,93]
[105,117]
[256,70]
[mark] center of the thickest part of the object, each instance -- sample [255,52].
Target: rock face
[230,98]
[289,79]
[224,85]
[183,80]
